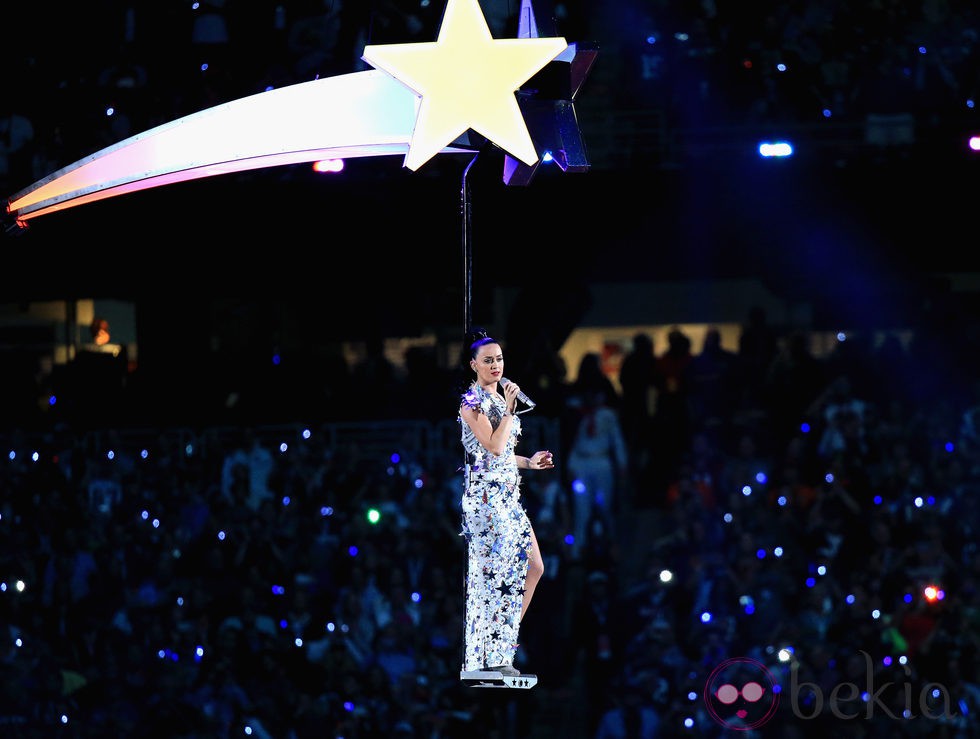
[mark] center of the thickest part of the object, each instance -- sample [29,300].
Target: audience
[222,591]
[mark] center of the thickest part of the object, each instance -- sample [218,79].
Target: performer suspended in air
[504,561]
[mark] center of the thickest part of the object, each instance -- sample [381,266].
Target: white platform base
[494,679]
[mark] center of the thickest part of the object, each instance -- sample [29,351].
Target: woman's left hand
[542,460]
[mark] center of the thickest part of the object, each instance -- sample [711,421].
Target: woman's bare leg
[535,569]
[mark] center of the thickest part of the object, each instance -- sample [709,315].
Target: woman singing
[504,561]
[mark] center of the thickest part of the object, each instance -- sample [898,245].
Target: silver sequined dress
[498,535]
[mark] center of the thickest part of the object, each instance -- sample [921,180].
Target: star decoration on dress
[467,80]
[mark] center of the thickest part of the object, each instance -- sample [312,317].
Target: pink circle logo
[741,694]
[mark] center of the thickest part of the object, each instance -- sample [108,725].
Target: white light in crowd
[221,536]
[781,67]
[144,454]
[11,455]
[156,523]
[199,652]
[706,617]
[903,660]
[331,626]
[688,722]
[20,586]
[306,433]
[18,642]
[283,447]
[746,490]
[778,551]
[785,654]
[64,719]
[248,730]
[691,696]
[841,336]
[298,641]
[775,149]
[188,449]
[822,570]
[144,515]
[781,500]
[110,455]
[666,575]
[727,518]
[416,597]
[3,587]
[35,456]
[975,143]
[918,502]
[876,614]
[110,111]
[829,477]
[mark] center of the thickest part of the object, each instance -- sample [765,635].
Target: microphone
[520,394]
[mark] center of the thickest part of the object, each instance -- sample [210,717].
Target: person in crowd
[597,469]
[638,383]
[505,561]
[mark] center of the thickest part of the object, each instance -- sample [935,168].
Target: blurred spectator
[713,385]
[632,716]
[672,423]
[638,383]
[597,471]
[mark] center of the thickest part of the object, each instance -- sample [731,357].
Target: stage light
[775,149]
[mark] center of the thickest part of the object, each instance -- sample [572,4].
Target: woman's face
[488,364]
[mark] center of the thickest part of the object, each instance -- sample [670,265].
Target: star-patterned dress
[498,535]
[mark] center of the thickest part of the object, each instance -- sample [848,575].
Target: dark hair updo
[475,338]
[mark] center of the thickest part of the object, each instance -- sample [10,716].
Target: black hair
[475,338]
[472,341]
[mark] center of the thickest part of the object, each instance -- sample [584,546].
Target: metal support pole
[467,250]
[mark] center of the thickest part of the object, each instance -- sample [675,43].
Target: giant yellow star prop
[418,102]
[466,80]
